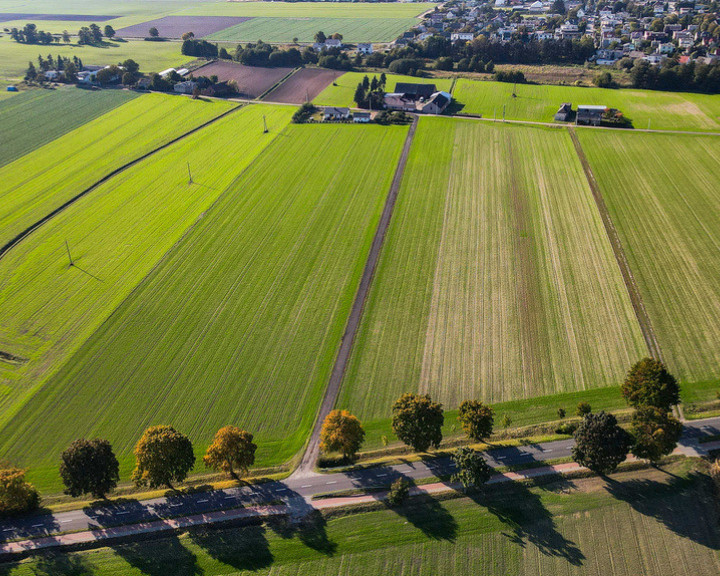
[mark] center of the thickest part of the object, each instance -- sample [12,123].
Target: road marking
[381,475]
[176,505]
[38,525]
[281,489]
[8,529]
[306,486]
[547,450]
[65,521]
[124,512]
[202,501]
[334,482]
[229,497]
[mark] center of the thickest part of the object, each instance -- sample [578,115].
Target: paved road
[293,491]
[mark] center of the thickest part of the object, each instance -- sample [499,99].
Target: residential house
[363,48]
[437,103]
[461,36]
[333,113]
[361,117]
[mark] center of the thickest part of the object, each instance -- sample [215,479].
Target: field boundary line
[633,291]
[278,83]
[312,449]
[30,229]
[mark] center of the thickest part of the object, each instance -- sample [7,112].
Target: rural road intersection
[297,490]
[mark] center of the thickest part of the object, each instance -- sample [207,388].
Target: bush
[395,117]
[561,413]
[304,113]
[583,408]
[408,66]
[604,80]
[510,76]
[199,48]
[567,428]
[398,493]
[444,63]
[16,495]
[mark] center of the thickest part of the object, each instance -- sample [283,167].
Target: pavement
[297,493]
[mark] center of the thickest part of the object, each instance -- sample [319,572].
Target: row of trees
[89,35]
[370,94]
[163,457]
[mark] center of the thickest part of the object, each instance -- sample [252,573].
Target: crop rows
[377,11]
[116,235]
[44,179]
[36,117]
[240,323]
[538,103]
[497,280]
[669,230]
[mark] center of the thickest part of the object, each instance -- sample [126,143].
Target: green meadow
[238,324]
[538,103]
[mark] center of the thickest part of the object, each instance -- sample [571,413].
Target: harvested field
[238,324]
[41,181]
[668,226]
[36,117]
[304,85]
[497,279]
[8,16]
[252,81]
[176,26]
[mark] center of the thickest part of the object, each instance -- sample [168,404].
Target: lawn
[658,110]
[239,324]
[663,196]
[286,28]
[37,183]
[496,281]
[342,91]
[36,117]
[647,522]
[152,56]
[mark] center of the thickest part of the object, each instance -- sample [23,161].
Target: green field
[538,103]
[36,117]
[44,179]
[152,56]
[285,29]
[497,280]
[117,235]
[312,9]
[343,90]
[662,193]
[647,523]
[241,322]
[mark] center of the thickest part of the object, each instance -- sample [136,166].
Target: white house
[333,113]
[361,117]
[461,36]
[365,48]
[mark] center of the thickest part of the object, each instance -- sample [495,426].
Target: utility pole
[265,130]
[68,253]
[503,112]
[190,180]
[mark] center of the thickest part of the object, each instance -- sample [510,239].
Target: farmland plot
[668,225]
[497,279]
[252,81]
[240,323]
[116,234]
[538,103]
[36,117]
[43,180]
[303,86]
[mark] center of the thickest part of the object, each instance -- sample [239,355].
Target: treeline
[87,35]
[672,76]
[29,34]
[370,94]
[199,48]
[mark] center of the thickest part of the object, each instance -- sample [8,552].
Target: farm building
[333,113]
[565,113]
[186,87]
[361,117]
[399,101]
[437,103]
[590,114]
[414,91]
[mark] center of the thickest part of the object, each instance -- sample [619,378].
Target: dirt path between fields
[632,288]
[30,229]
[312,450]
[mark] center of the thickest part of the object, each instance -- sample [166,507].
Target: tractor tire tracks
[30,229]
[312,450]
[632,288]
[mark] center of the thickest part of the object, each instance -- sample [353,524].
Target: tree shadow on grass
[59,564]
[159,556]
[684,505]
[528,521]
[243,548]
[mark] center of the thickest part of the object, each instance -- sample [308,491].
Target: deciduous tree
[16,494]
[650,384]
[476,419]
[472,468]
[600,444]
[341,432]
[398,493]
[417,421]
[163,456]
[109,31]
[89,467]
[154,33]
[655,433]
[232,451]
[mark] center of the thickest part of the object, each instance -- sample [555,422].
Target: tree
[70,72]
[604,80]
[232,450]
[505,421]
[320,37]
[109,31]
[561,413]
[583,408]
[16,494]
[108,75]
[600,444]
[31,72]
[96,33]
[476,419]
[128,79]
[188,36]
[163,456]
[89,467]
[558,7]
[655,433]
[650,384]
[359,96]
[417,421]
[473,470]
[398,493]
[337,36]
[154,33]
[131,66]
[66,37]
[341,432]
